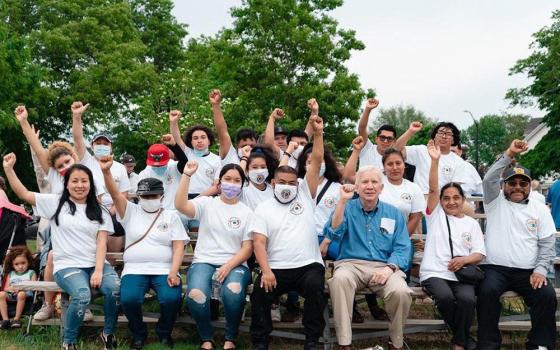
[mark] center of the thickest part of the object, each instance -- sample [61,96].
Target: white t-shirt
[223,228]
[120,176]
[252,196]
[466,236]
[231,156]
[449,164]
[537,196]
[326,206]
[133,178]
[74,240]
[153,255]
[170,179]
[208,170]
[469,179]
[407,197]
[290,230]
[57,181]
[513,231]
[370,156]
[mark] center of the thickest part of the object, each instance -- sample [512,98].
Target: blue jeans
[75,282]
[199,291]
[133,289]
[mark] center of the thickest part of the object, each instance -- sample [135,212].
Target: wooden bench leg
[327,331]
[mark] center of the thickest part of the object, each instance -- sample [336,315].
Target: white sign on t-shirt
[407,197]
[466,236]
[513,231]
[153,255]
[223,228]
[326,205]
[369,156]
[170,179]
[74,239]
[290,230]
[209,167]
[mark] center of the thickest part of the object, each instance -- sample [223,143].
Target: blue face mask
[200,153]
[159,170]
[101,150]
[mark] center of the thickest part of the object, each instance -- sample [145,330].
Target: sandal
[207,341]
[234,345]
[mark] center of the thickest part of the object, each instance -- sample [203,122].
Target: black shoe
[310,345]
[167,342]
[137,345]
[260,346]
[5,324]
[109,341]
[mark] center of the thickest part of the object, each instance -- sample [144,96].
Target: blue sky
[442,56]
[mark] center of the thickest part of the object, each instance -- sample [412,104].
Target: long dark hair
[452,185]
[233,166]
[93,208]
[331,170]
[265,153]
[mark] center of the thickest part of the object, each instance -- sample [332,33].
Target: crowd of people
[268,210]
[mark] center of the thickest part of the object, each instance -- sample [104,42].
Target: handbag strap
[147,231]
[449,232]
[323,191]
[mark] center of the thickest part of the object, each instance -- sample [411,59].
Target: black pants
[541,303]
[455,302]
[309,282]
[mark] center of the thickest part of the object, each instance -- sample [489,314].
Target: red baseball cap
[158,155]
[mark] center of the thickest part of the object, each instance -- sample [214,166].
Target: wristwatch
[393,267]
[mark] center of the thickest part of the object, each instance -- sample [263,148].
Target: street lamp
[476,141]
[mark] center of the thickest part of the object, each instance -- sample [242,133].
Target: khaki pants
[351,275]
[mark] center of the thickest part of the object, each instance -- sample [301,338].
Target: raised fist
[317,123]
[9,161]
[21,113]
[292,146]
[277,113]
[358,143]
[246,151]
[105,162]
[433,150]
[415,127]
[518,146]
[174,115]
[168,140]
[313,106]
[371,103]
[215,97]
[78,108]
[347,191]
[190,167]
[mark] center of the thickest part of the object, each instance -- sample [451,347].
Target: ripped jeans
[76,282]
[199,291]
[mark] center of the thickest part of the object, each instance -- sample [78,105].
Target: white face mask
[285,193]
[101,150]
[258,176]
[150,205]
[296,153]
[321,170]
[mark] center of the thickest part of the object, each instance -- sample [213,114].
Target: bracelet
[244,158]
[186,174]
[287,154]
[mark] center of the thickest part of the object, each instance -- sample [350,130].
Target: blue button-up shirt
[379,235]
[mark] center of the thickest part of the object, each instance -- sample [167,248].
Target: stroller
[12,232]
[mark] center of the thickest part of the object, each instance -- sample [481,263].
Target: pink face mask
[62,172]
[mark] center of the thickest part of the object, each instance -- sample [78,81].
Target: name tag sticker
[388,225]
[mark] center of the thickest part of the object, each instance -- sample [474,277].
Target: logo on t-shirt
[234,222]
[467,239]
[210,172]
[532,225]
[296,208]
[447,171]
[116,179]
[163,226]
[407,197]
[329,202]
[169,179]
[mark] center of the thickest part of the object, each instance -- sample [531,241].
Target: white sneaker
[45,312]
[88,316]
[275,313]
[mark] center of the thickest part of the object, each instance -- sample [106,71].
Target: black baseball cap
[280,131]
[517,171]
[128,159]
[149,186]
[102,135]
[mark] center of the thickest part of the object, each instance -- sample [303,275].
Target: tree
[400,117]
[543,67]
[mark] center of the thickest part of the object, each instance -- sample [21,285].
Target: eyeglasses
[444,134]
[386,138]
[521,183]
